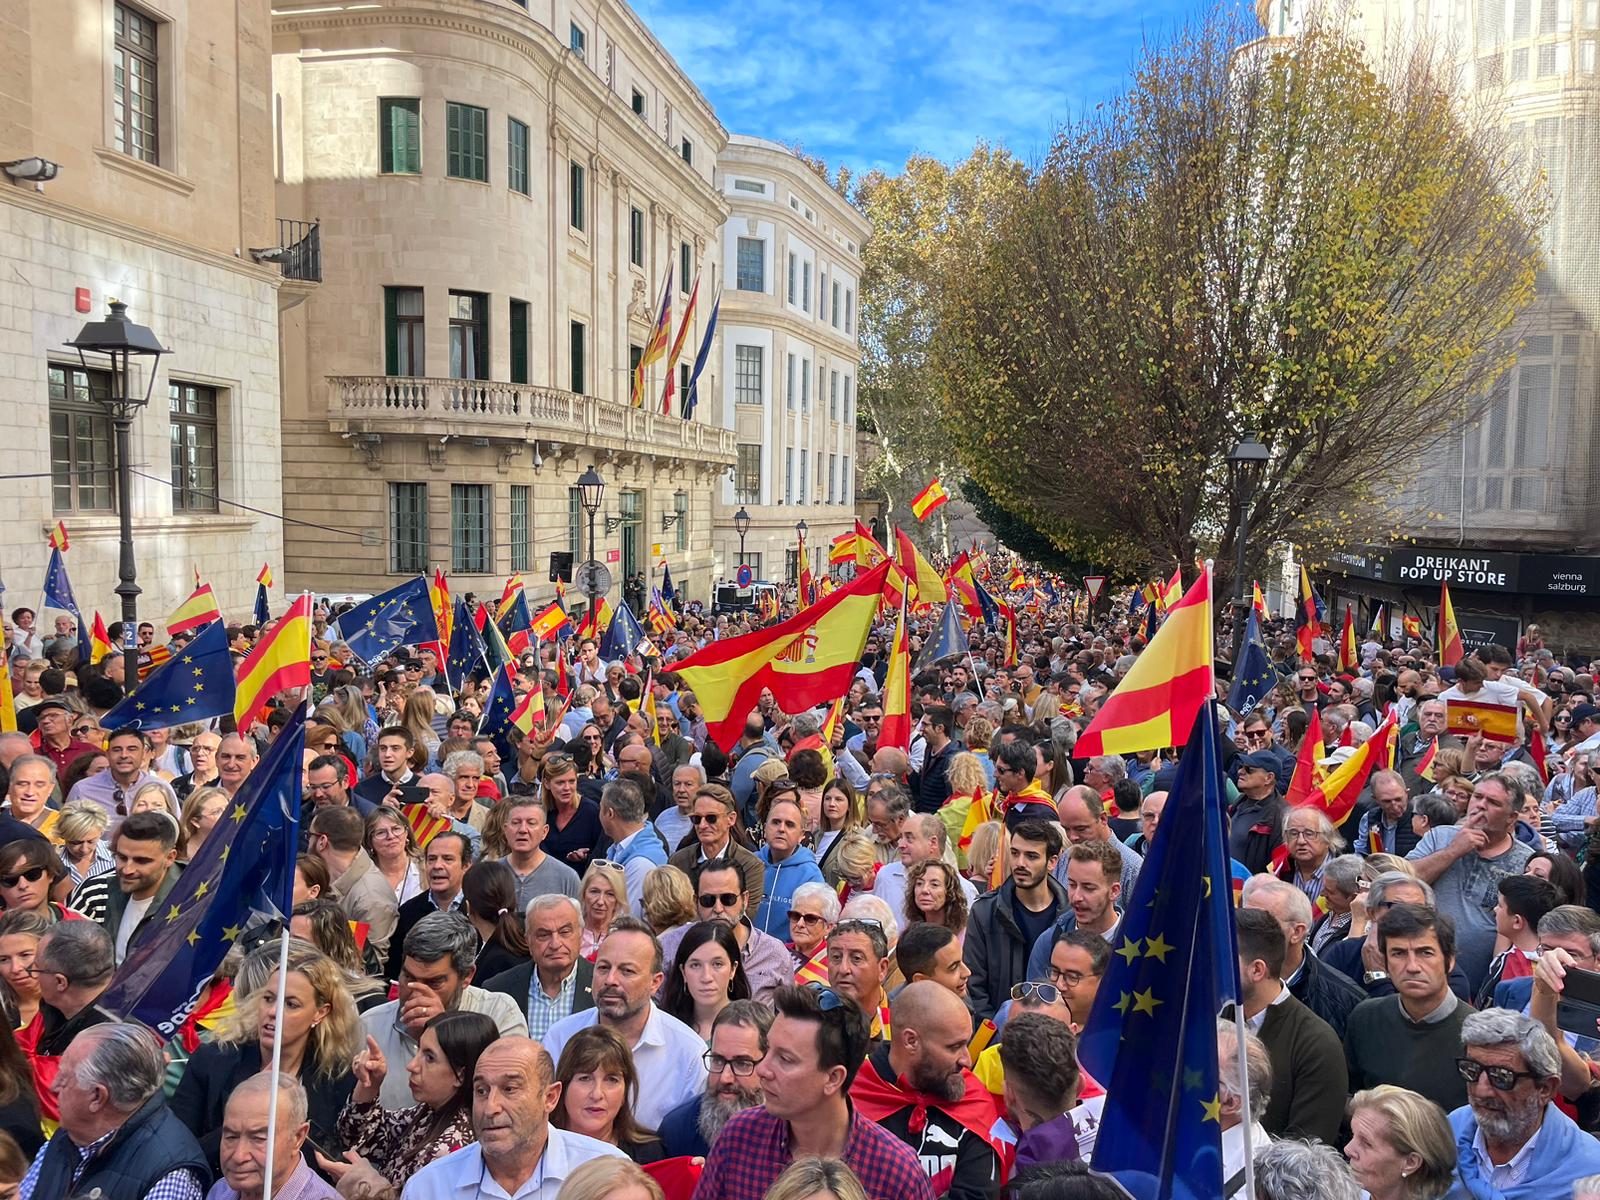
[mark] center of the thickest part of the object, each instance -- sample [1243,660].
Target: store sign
[1480,629]
[1482,570]
[1560,575]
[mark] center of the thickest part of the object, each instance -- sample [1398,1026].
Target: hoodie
[781,880]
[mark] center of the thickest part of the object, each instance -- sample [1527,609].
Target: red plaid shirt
[753,1150]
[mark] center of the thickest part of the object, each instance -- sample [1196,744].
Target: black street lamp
[1247,460]
[121,341]
[741,526]
[591,494]
[800,528]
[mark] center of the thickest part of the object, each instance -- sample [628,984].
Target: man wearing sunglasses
[720,896]
[1520,1143]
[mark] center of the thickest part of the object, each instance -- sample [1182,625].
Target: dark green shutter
[391,332]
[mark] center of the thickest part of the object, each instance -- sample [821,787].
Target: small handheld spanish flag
[58,537]
[265,577]
[928,499]
[1412,626]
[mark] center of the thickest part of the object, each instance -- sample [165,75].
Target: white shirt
[464,1175]
[131,916]
[1514,1171]
[1256,1022]
[667,1058]
[1233,1148]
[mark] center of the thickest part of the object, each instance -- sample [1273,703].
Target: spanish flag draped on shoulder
[1155,704]
[807,660]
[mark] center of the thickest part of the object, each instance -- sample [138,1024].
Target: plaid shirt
[753,1150]
[175,1185]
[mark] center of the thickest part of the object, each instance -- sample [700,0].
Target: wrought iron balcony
[299,250]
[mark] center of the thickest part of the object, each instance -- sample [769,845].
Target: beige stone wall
[171,240]
[439,233]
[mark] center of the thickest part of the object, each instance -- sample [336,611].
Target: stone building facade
[502,190]
[791,259]
[156,116]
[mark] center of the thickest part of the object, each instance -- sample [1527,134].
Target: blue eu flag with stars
[1151,1037]
[622,636]
[465,653]
[58,596]
[987,606]
[948,641]
[242,875]
[402,616]
[195,684]
[1253,676]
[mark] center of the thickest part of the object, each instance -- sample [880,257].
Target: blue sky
[867,83]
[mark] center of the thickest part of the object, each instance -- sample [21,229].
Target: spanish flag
[981,810]
[280,660]
[1336,795]
[444,612]
[895,731]
[924,584]
[669,389]
[806,660]
[8,699]
[808,584]
[1450,649]
[843,548]
[929,499]
[1309,628]
[1412,626]
[1495,722]
[1425,763]
[58,537]
[198,610]
[1308,771]
[1156,703]
[1349,654]
[264,577]
[1259,603]
[868,552]
[529,712]
[100,646]
[1171,591]
[548,623]
[964,586]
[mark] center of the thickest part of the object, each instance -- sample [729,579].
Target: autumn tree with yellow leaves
[1274,237]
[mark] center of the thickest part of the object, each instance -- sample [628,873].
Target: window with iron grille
[577,377]
[135,110]
[471,534]
[575,517]
[466,132]
[193,422]
[521,531]
[408,528]
[519,341]
[80,441]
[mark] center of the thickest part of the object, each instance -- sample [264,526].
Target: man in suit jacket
[557,981]
[1415,743]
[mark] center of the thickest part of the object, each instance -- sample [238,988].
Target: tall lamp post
[741,526]
[591,493]
[121,342]
[800,529]
[1247,460]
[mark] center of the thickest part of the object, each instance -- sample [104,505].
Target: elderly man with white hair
[1512,1141]
[1231,1115]
[245,1155]
[1295,1170]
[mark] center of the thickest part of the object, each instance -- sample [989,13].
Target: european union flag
[1253,676]
[668,592]
[988,606]
[622,636]
[1152,622]
[1152,1034]
[465,653]
[242,875]
[402,616]
[948,641]
[1135,601]
[516,620]
[194,685]
[58,595]
[497,713]
[262,614]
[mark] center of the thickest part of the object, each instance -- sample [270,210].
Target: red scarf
[878,1099]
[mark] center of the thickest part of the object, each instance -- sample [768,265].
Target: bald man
[926,1067]
[513,1094]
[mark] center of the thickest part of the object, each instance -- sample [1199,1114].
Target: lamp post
[1247,460]
[121,341]
[741,526]
[800,528]
[591,493]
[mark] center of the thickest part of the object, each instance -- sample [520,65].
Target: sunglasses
[559,762]
[827,999]
[1047,993]
[705,818]
[806,918]
[1502,1079]
[32,875]
[714,899]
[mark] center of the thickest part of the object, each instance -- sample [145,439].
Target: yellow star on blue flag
[402,616]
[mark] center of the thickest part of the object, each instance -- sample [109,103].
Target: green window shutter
[391,334]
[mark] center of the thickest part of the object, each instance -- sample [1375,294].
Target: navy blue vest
[150,1144]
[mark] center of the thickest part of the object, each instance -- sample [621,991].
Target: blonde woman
[668,899]
[967,779]
[81,828]
[611,1179]
[320,1035]
[816,1179]
[604,896]
[981,853]
[200,814]
[857,857]
[154,797]
[1401,1146]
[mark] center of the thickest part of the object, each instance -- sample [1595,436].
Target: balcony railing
[485,407]
[301,244]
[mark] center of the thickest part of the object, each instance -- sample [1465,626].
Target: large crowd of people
[629,963]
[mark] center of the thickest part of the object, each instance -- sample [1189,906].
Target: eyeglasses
[1047,993]
[724,899]
[1071,978]
[741,1066]
[806,918]
[32,875]
[1302,835]
[1576,958]
[1502,1079]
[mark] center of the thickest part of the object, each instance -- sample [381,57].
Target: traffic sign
[1094,583]
[744,576]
